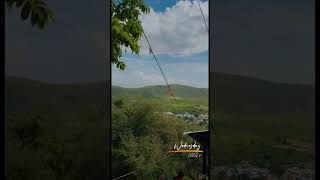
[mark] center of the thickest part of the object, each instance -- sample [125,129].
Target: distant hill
[230,94]
[242,95]
[25,95]
[160,91]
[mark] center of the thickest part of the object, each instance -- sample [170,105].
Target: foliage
[59,130]
[27,132]
[126,28]
[141,136]
[58,152]
[75,130]
[35,10]
[250,138]
[71,134]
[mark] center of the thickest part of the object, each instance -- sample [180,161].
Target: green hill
[250,96]
[161,91]
[57,101]
[231,94]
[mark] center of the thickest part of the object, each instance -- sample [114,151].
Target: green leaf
[39,3]
[20,2]
[37,9]
[34,18]
[126,28]
[10,3]
[25,12]
[41,24]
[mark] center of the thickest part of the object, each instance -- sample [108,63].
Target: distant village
[190,118]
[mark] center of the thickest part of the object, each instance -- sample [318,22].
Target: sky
[178,37]
[268,39]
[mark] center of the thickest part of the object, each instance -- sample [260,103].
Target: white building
[168,113]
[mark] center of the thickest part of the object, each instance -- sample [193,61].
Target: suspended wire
[143,167]
[204,19]
[155,58]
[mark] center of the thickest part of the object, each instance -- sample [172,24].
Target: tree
[126,28]
[35,10]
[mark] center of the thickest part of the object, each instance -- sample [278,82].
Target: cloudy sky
[268,39]
[178,36]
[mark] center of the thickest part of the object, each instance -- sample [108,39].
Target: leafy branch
[35,10]
[126,28]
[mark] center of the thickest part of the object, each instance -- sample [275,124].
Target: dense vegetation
[55,131]
[269,124]
[141,136]
[61,131]
[39,147]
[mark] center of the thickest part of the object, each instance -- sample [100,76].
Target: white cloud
[136,78]
[178,31]
[145,72]
[190,67]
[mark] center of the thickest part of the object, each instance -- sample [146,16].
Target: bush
[141,136]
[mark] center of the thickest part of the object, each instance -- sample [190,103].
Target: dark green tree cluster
[39,148]
[141,136]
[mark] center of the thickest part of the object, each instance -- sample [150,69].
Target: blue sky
[178,36]
[160,5]
[267,39]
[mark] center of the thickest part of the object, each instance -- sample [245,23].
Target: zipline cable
[204,19]
[143,167]
[155,58]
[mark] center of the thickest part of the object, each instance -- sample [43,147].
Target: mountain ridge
[230,94]
[212,74]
